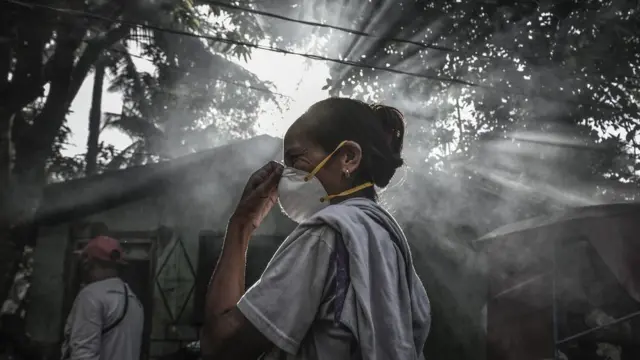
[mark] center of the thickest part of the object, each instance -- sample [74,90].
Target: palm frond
[121,159]
[108,118]
[137,127]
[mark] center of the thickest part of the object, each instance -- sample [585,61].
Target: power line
[305,55]
[334,27]
[240,43]
[361,33]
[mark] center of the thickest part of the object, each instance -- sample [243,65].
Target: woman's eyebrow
[295,151]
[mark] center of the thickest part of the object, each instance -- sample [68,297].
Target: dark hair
[379,130]
[113,263]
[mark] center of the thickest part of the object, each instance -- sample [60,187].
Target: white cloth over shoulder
[392,318]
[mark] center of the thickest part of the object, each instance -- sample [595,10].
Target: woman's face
[302,153]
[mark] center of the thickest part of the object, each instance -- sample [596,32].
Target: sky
[294,76]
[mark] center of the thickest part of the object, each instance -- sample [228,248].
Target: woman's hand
[259,196]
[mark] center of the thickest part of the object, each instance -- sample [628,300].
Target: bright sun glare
[299,81]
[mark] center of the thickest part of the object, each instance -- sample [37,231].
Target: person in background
[343,284]
[106,320]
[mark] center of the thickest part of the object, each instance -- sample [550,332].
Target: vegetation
[506,67]
[197,92]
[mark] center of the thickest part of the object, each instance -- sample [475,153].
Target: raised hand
[259,195]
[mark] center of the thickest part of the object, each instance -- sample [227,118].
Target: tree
[190,99]
[537,64]
[42,70]
[95,115]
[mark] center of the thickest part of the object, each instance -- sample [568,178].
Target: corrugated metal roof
[595,211]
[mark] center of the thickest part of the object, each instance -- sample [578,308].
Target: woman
[342,285]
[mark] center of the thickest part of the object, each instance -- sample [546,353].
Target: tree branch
[27,85]
[91,54]
[28,77]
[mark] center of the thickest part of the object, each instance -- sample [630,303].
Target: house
[564,284]
[164,214]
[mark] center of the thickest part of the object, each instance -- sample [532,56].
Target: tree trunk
[28,174]
[6,157]
[94,120]
[33,146]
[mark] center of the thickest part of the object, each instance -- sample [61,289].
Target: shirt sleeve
[86,328]
[284,302]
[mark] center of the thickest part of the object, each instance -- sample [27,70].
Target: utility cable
[361,33]
[237,42]
[84,14]
[332,27]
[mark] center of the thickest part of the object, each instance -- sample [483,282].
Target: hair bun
[379,130]
[393,125]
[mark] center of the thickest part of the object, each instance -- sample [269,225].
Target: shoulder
[313,234]
[91,292]
[97,291]
[306,241]
[90,298]
[356,210]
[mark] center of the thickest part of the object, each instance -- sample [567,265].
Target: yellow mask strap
[317,168]
[347,192]
[344,193]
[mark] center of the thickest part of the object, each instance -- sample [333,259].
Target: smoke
[455,191]
[451,193]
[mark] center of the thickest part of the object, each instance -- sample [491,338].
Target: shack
[563,286]
[166,215]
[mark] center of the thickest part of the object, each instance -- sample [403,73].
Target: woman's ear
[350,157]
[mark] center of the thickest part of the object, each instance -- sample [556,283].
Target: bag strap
[124,311]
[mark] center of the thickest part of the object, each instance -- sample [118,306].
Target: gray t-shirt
[342,286]
[293,303]
[97,306]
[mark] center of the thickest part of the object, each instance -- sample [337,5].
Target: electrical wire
[84,14]
[332,27]
[238,43]
[362,33]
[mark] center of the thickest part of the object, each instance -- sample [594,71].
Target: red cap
[103,248]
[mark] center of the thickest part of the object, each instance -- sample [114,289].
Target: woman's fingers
[270,183]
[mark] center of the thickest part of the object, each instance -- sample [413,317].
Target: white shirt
[97,306]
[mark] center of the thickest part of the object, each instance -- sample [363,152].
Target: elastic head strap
[323,162]
[344,193]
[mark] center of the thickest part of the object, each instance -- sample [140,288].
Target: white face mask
[299,198]
[301,194]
